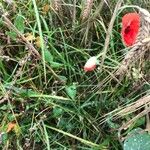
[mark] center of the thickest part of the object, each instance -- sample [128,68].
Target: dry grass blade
[10,25]
[138,104]
[147,119]
[120,112]
[88,22]
[127,125]
[18,74]
[87,9]
[108,35]
[130,122]
[131,57]
[28,44]
[56,4]
[134,106]
[74,13]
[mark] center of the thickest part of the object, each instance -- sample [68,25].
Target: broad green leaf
[48,56]
[12,34]
[71,91]
[19,23]
[137,140]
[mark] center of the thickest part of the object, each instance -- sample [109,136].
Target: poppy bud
[91,64]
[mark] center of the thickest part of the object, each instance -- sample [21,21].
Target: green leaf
[56,65]
[137,140]
[3,138]
[19,23]
[57,112]
[17,130]
[49,59]
[21,91]
[1,22]
[4,107]
[12,35]
[63,78]
[48,56]
[71,91]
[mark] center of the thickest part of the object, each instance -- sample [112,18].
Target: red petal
[130,28]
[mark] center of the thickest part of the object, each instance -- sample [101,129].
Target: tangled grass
[47,100]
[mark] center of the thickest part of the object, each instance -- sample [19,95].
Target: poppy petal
[130,28]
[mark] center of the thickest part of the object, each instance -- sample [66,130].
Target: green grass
[54,103]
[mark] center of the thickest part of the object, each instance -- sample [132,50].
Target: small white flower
[91,64]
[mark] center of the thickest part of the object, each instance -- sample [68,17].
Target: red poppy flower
[130,28]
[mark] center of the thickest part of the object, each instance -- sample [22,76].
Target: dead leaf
[38,42]
[11,126]
[29,37]
[45,8]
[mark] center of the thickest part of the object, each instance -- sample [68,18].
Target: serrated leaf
[19,23]
[137,140]
[71,91]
